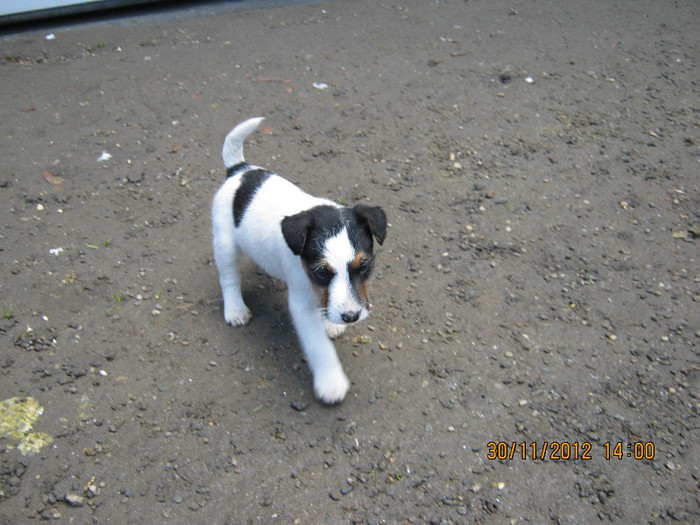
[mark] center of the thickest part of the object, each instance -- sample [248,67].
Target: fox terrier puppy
[323,251]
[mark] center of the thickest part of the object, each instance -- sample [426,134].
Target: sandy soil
[539,285]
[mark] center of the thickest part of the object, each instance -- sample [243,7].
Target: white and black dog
[323,251]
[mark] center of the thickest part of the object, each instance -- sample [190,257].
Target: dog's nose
[350,317]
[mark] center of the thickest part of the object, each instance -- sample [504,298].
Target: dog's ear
[295,228]
[374,218]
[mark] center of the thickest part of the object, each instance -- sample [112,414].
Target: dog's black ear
[295,228]
[374,218]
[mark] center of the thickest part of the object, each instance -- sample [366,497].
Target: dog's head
[336,248]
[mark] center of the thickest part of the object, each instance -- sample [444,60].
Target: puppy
[323,251]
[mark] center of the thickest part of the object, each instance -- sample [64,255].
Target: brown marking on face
[356,263]
[363,292]
[321,263]
[361,285]
[321,291]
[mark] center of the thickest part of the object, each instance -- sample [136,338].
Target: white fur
[260,236]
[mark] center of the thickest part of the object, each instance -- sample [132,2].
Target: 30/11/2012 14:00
[564,450]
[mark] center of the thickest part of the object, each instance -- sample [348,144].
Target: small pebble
[299,406]
[75,500]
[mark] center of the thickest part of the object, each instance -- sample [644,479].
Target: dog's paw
[334,330]
[237,316]
[330,388]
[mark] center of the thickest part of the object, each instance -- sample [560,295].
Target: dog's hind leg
[235,310]
[226,256]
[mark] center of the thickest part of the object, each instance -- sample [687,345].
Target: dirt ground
[535,303]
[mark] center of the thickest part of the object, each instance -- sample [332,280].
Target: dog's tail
[233,145]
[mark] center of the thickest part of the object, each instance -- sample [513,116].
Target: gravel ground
[532,356]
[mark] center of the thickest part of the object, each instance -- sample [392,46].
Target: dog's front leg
[330,382]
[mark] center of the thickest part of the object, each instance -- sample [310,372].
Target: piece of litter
[56,251]
[104,156]
[320,85]
[53,179]
[529,80]
[50,36]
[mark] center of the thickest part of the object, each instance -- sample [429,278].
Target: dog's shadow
[269,339]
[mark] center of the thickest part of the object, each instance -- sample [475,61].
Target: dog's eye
[363,270]
[322,275]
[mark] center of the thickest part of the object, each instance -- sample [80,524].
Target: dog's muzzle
[350,317]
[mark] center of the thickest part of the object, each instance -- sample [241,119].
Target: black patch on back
[236,169]
[250,184]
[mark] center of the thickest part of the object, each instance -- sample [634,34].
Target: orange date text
[543,450]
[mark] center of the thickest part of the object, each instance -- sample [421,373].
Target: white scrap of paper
[104,156]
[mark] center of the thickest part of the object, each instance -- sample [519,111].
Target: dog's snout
[350,317]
